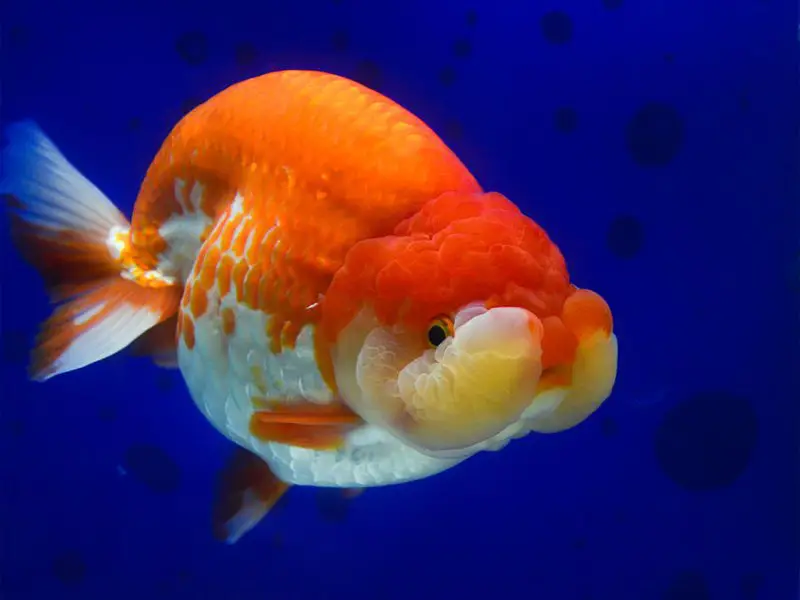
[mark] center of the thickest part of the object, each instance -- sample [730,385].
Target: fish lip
[494,443]
[521,427]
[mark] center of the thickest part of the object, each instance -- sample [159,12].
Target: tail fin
[65,227]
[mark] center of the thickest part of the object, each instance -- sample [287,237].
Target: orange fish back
[329,160]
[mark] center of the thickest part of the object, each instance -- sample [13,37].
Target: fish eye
[439,330]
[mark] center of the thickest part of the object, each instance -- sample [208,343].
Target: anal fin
[160,344]
[248,490]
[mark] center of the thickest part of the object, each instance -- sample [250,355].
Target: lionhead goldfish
[342,298]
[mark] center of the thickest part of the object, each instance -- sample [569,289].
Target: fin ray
[302,423]
[98,324]
[248,490]
[51,194]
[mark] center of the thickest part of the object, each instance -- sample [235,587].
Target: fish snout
[472,388]
[580,364]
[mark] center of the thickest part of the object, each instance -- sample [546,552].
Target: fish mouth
[562,402]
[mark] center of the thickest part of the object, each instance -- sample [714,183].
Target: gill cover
[445,399]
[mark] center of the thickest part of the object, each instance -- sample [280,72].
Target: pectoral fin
[303,424]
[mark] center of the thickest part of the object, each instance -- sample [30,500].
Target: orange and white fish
[342,298]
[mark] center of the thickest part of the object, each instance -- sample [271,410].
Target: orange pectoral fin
[303,424]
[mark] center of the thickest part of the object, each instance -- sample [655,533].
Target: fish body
[343,299]
[269,241]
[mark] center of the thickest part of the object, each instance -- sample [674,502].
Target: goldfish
[343,299]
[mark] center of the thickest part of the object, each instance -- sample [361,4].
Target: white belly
[225,373]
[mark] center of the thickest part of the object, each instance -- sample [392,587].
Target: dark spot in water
[18,36]
[368,73]
[190,104]
[669,57]
[246,54]
[447,76]
[167,379]
[15,428]
[706,442]
[556,27]
[332,505]
[689,585]
[579,543]
[655,135]
[751,585]
[625,236]
[153,468]
[340,40]
[744,101]
[192,47]
[565,119]
[107,413]
[471,17]
[462,48]
[277,540]
[16,347]
[453,130]
[609,427]
[134,124]
[69,568]
[612,4]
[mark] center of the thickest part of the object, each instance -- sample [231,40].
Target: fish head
[461,330]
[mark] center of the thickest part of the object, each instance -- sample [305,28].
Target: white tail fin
[52,193]
[63,224]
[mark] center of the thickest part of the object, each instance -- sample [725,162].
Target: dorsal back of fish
[319,160]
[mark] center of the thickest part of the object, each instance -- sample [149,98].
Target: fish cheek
[384,354]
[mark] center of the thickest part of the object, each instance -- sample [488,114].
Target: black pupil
[436,335]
